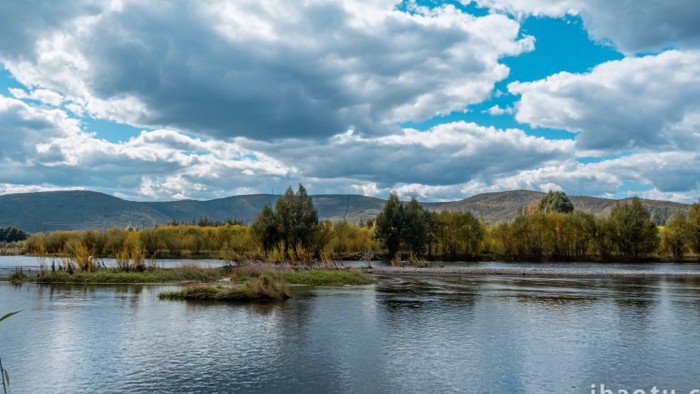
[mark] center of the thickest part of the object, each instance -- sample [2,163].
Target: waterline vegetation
[403,232]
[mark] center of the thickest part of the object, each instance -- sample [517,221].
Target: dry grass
[264,288]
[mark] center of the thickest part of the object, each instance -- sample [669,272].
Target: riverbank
[535,272]
[189,274]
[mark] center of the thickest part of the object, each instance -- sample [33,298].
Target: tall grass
[264,288]
[116,276]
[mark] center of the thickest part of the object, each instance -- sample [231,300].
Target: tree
[675,236]
[694,227]
[304,220]
[414,227]
[294,222]
[582,228]
[12,234]
[284,208]
[265,228]
[459,234]
[631,229]
[555,202]
[388,224]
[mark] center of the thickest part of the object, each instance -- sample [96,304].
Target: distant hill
[503,206]
[79,210]
[74,210]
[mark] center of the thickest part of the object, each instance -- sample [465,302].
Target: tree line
[12,234]
[291,231]
[552,230]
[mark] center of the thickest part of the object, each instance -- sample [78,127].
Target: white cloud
[449,161]
[42,95]
[498,111]
[447,154]
[266,70]
[633,26]
[650,102]
[271,87]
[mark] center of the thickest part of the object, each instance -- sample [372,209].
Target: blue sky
[438,100]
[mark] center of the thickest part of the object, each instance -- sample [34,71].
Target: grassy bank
[239,274]
[264,288]
[116,276]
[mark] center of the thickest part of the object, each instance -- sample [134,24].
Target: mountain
[79,210]
[74,210]
[503,206]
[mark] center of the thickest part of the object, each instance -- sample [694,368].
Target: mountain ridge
[83,210]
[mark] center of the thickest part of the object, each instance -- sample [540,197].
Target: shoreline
[534,272]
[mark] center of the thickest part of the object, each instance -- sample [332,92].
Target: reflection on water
[405,334]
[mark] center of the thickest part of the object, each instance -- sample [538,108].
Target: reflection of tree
[635,299]
[400,297]
[557,292]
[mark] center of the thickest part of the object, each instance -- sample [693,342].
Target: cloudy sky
[439,100]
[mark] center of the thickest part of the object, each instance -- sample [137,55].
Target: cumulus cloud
[497,110]
[250,97]
[650,102]
[447,154]
[633,26]
[43,148]
[265,70]
[41,95]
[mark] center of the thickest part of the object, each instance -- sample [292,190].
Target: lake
[404,334]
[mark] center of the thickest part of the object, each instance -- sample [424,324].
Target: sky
[439,100]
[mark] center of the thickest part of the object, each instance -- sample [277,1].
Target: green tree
[582,229]
[266,228]
[388,224]
[414,228]
[694,227]
[459,234]
[294,222]
[432,229]
[631,229]
[675,236]
[304,220]
[555,202]
[284,212]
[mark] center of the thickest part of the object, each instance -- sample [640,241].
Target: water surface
[405,334]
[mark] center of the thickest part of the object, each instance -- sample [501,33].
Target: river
[405,334]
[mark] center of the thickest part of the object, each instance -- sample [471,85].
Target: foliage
[631,231]
[293,223]
[266,228]
[12,234]
[675,236]
[389,224]
[694,227]
[291,232]
[414,228]
[540,236]
[459,234]
[555,202]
